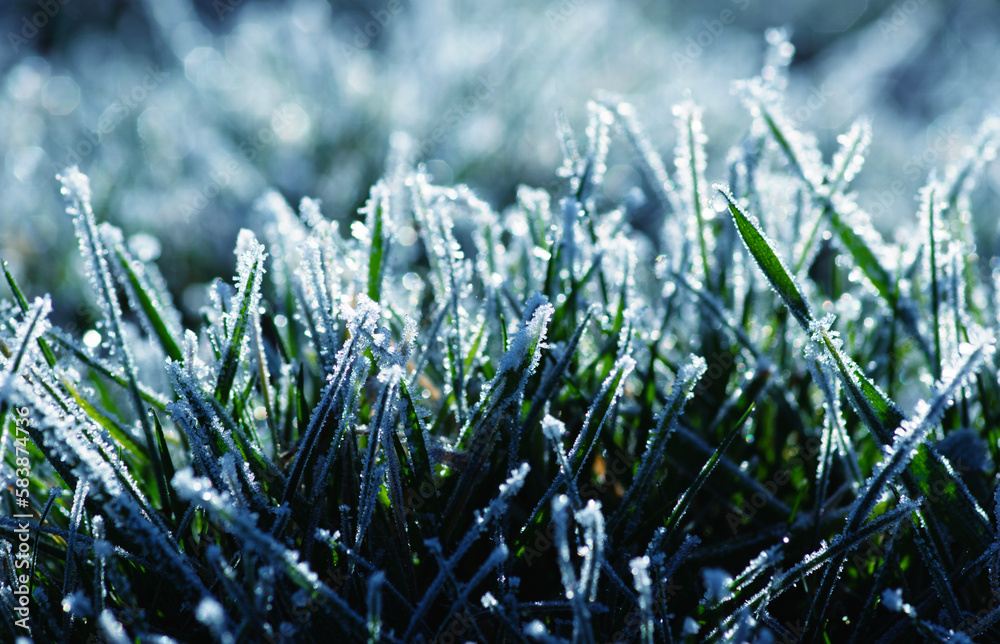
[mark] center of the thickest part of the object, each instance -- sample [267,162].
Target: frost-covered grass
[760,422]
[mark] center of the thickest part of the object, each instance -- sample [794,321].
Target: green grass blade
[378,211]
[22,303]
[250,290]
[684,385]
[141,291]
[770,264]
[928,474]
[673,522]
[863,256]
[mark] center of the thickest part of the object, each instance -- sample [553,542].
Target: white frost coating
[892,598]
[251,256]
[310,211]
[962,177]
[76,189]
[575,590]
[592,519]
[111,628]
[553,428]
[211,614]
[518,364]
[523,349]
[912,433]
[599,140]
[690,161]
[850,156]
[763,96]
[317,299]
[536,629]
[25,346]
[652,164]
[766,559]
[639,567]
[717,584]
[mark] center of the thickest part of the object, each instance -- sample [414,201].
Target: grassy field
[754,420]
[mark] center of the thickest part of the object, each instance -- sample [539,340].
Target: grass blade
[762,250]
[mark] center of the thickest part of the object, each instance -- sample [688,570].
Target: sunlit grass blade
[22,303]
[250,268]
[762,250]
[141,291]
[684,385]
[674,520]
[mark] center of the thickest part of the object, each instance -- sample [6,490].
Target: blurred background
[183,112]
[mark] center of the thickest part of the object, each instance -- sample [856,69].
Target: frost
[893,599]
[850,156]
[651,163]
[341,439]
[553,428]
[643,585]
[691,163]
[25,342]
[211,614]
[717,584]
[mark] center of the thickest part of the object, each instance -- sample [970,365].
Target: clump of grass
[527,426]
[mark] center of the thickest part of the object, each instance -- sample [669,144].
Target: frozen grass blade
[691,165]
[762,250]
[76,188]
[931,476]
[250,269]
[142,292]
[22,304]
[674,520]
[642,483]
[377,211]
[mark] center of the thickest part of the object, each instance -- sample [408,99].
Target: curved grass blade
[685,501]
[76,188]
[774,270]
[683,390]
[250,269]
[928,474]
[22,304]
[141,290]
